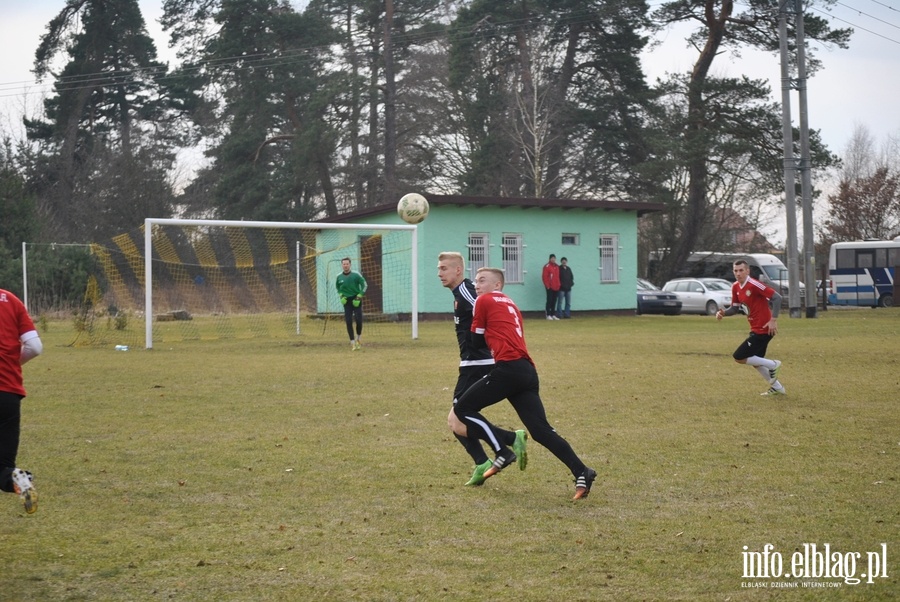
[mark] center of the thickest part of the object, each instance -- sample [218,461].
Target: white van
[766,268]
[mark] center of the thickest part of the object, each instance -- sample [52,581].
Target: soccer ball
[413,208]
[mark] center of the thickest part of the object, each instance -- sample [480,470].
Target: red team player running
[761,304]
[19,342]
[498,322]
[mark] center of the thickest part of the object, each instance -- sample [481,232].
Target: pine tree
[109,111]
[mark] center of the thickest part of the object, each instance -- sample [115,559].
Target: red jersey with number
[14,324]
[753,299]
[500,321]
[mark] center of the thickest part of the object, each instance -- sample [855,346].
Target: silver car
[701,295]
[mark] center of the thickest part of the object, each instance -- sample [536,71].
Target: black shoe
[504,459]
[583,483]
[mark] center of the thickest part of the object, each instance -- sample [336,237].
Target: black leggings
[518,382]
[349,313]
[10,418]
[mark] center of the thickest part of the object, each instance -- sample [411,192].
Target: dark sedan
[651,300]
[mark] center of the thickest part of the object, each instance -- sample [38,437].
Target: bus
[862,272]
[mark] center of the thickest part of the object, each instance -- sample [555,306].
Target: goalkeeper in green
[351,286]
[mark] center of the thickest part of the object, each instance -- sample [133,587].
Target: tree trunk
[390,106]
[695,141]
[355,166]
[558,125]
[371,170]
[530,121]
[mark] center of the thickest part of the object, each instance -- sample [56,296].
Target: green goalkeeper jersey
[350,285]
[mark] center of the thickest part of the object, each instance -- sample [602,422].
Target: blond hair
[452,256]
[496,272]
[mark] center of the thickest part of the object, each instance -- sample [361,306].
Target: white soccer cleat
[24,487]
[773,373]
[774,391]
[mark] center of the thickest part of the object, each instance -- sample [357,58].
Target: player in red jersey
[19,342]
[498,322]
[761,304]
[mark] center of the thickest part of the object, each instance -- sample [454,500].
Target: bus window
[865,259]
[881,258]
[846,258]
[893,258]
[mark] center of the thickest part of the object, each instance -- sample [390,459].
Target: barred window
[609,258]
[513,271]
[478,253]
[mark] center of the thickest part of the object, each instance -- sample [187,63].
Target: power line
[854,25]
[870,16]
[886,6]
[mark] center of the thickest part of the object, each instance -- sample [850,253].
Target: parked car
[701,295]
[721,281]
[652,300]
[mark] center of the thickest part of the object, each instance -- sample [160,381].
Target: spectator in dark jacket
[564,297]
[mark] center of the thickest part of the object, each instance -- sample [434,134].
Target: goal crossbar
[148,255]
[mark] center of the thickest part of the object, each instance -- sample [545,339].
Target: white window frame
[575,237]
[479,248]
[513,258]
[609,258]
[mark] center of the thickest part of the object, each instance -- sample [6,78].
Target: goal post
[212,265]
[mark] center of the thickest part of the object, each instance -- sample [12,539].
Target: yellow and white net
[215,282]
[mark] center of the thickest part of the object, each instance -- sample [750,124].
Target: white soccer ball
[413,208]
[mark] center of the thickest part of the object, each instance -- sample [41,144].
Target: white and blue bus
[862,272]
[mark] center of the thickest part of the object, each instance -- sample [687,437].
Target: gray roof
[528,203]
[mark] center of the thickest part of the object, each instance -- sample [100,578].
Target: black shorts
[468,376]
[756,344]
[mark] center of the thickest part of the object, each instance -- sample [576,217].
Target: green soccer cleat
[519,448]
[478,476]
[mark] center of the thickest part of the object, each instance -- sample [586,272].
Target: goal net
[176,280]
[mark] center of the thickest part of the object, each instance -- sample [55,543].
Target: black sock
[474,448]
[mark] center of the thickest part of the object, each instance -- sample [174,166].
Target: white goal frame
[148,256]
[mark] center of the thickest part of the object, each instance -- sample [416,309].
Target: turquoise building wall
[395,296]
[447,228]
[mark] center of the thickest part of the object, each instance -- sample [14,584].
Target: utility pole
[790,177]
[809,243]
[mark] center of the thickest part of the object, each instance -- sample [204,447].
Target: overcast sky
[858,86]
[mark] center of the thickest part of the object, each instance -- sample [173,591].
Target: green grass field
[246,470]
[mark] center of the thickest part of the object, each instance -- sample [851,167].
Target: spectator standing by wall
[550,276]
[566,282]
